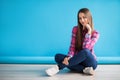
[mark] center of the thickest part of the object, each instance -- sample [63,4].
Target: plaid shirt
[88,41]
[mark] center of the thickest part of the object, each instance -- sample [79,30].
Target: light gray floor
[37,72]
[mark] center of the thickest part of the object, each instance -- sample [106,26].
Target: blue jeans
[78,62]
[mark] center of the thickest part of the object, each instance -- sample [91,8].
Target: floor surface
[37,72]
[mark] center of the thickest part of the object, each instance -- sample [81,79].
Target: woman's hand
[65,61]
[89,28]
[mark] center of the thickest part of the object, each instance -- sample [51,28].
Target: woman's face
[83,19]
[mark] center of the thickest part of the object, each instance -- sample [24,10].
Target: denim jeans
[78,62]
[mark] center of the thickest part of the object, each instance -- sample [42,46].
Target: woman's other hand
[65,61]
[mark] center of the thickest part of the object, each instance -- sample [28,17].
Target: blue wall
[33,31]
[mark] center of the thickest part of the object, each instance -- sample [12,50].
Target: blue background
[33,31]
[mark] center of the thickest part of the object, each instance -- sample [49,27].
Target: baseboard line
[50,60]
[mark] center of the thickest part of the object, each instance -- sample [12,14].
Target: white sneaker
[88,70]
[52,71]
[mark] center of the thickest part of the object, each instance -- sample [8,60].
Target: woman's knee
[86,50]
[59,57]
[56,57]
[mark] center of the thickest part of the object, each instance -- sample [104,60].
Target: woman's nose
[82,20]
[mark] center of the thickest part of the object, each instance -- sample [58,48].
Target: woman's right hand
[65,61]
[89,28]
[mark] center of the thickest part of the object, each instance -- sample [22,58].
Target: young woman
[81,57]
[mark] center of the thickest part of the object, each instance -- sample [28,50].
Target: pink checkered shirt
[88,41]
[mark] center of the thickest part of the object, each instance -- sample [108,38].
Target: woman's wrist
[89,32]
[68,57]
[89,28]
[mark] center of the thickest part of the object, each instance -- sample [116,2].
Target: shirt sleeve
[72,45]
[90,40]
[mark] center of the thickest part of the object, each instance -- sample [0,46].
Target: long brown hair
[79,37]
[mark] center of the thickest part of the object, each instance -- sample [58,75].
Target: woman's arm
[72,45]
[90,40]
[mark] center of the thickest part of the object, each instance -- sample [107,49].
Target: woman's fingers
[65,61]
